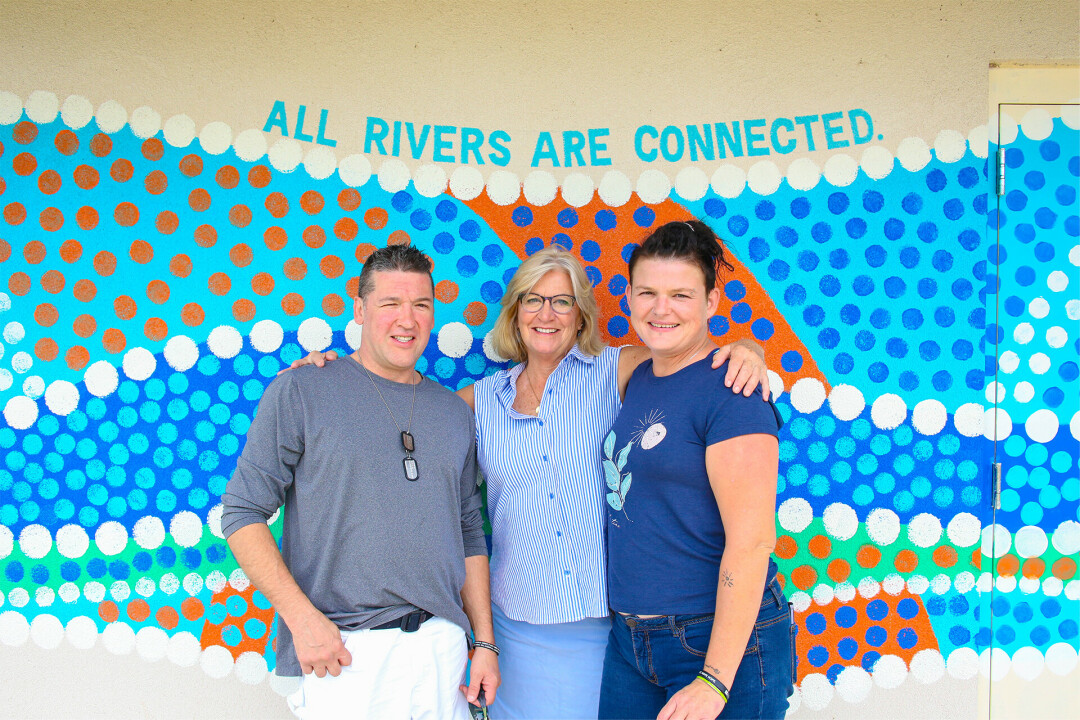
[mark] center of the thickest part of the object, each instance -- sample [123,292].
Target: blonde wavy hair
[506,338]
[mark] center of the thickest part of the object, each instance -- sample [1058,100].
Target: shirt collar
[506,389]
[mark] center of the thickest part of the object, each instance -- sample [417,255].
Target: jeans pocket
[695,635]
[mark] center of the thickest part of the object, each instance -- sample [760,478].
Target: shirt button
[545,458]
[541,423]
[551,495]
[558,533]
[566,572]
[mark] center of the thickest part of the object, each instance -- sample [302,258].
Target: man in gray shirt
[383,563]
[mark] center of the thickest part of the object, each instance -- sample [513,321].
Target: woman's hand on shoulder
[746,367]
[315,358]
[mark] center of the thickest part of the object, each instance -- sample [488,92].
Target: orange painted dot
[192,315]
[24,163]
[84,325]
[113,341]
[46,315]
[138,610]
[1064,568]
[227,177]
[191,165]
[346,229]
[52,281]
[804,577]
[240,215]
[51,219]
[180,265]
[376,218]
[785,547]
[5,250]
[241,254]
[475,313]
[24,133]
[219,283]
[108,611]
[85,290]
[105,263]
[945,556]
[124,307]
[46,349]
[243,310]
[122,170]
[101,145]
[295,268]
[156,182]
[332,266]
[153,149]
[126,214]
[3,185]
[1034,567]
[67,142]
[262,283]
[19,283]
[155,329]
[259,176]
[839,570]
[352,286]
[167,617]
[275,237]
[976,558]
[292,304]
[906,561]
[49,182]
[14,213]
[333,305]
[348,199]
[446,291]
[868,556]
[1008,565]
[192,608]
[277,204]
[86,217]
[167,222]
[86,177]
[205,236]
[398,237]
[141,252]
[314,236]
[157,291]
[76,357]
[34,252]
[363,251]
[312,202]
[199,200]
[819,546]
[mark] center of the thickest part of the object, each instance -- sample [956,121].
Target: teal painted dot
[797,475]
[7,435]
[138,443]
[208,460]
[181,478]
[21,492]
[863,495]
[819,485]
[128,392]
[290,352]
[97,494]
[54,462]
[186,449]
[788,451]
[269,366]
[1061,461]
[208,364]
[163,457]
[785,412]
[33,472]
[64,444]
[9,514]
[127,417]
[75,479]
[967,471]
[95,408]
[219,413]
[903,435]
[943,496]
[1070,489]
[948,445]
[76,422]
[1049,497]
[971,496]
[422,365]
[85,449]
[903,501]
[800,428]
[904,465]
[818,452]
[867,464]
[32,444]
[920,487]
[781,484]
[475,363]
[1015,445]
[239,423]
[243,365]
[840,472]
[216,613]
[825,426]
[154,389]
[198,498]
[29,511]
[64,509]
[177,409]
[137,499]
[228,392]
[1016,476]
[88,516]
[884,483]
[6,479]
[95,469]
[16,461]
[228,445]
[444,367]
[1039,478]
[166,501]
[167,433]
[199,401]
[115,476]
[216,485]
[861,429]
[205,431]
[260,600]
[254,628]
[1036,454]
[1031,513]
[48,425]
[178,383]
[923,450]
[845,447]
[236,605]
[880,444]
[1010,500]
[252,390]
[118,454]
[116,507]
[150,411]
[144,478]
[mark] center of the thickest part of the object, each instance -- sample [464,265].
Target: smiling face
[397,315]
[669,306]
[546,334]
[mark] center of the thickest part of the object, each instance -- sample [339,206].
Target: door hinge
[995,480]
[1001,171]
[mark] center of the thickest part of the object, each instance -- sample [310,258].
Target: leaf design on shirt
[625,485]
[609,444]
[616,482]
[611,475]
[615,501]
[621,460]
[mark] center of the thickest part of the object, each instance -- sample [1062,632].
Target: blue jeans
[650,659]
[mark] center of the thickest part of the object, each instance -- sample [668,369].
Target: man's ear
[358,310]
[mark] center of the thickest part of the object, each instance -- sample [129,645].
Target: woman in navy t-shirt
[701,625]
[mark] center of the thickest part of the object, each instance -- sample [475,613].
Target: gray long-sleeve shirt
[365,544]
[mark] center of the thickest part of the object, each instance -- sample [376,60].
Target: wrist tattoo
[727,579]
[712,668]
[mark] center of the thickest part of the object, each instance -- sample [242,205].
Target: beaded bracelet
[487,646]
[712,681]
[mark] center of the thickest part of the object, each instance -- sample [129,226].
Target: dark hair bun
[689,240]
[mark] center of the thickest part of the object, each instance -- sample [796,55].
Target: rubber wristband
[487,646]
[713,682]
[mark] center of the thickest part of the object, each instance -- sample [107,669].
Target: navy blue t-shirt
[665,535]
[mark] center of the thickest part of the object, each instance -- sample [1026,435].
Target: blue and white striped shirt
[546,489]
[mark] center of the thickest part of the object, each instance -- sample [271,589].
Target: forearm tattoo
[713,669]
[727,579]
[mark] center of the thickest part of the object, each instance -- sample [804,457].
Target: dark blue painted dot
[878,372]
[961,289]
[491,292]
[912,203]
[617,285]
[644,217]
[1000,606]
[850,314]
[1049,150]
[1039,635]
[444,243]
[215,553]
[191,558]
[907,608]
[119,569]
[977,318]
[759,249]
[838,203]
[912,318]
[907,638]
[958,605]
[800,208]
[1024,232]
[492,255]
[869,659]
[618,326]
[959,635]
[833,673]
[39,574]
[14,571]
[1050,608]
[763,329]
[719,325]
[420,219]
[1025,275]
[929,350]
[522,216]
[941,381]
[562,240]
[70,570]
[1074,165]
[847,648]
[735,290]
[935,605]
[1016,200]
[142,561]
[936,180]
[813,315]
[1005,634]
[968,177]
[446,211]
[877,610]
[1023,612]
[467,266]
[872,201]
[953,209]
[979,204]
[975,379]
[982,638]
[165,556]
[942,261]
[96,568]
[816,623]
[875,256]
[839,259]
[1065,195]
[626,251]
[855,227]
[738,225]
[567,217]
[1053,397]
[765,210]
[817,655]
[927,232]
[1014,157]
[778,270]
[829,285]
[846,616]
[828,338]
[740,312]
[808,260]
[863,285]
[927,288]
[880,318]
[821,232]
[1069,371]
[996,254]
[715,207]
[895,287]
[605,219]
[401,201]
[876,636]
[909,257]
[533,245]
[469,230]
[590,251]
[791,361]
[795,294]
[894,229]
[1045,218]
[962,350]
[786,236]
[1072,226]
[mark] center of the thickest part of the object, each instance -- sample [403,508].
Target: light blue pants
[549,671]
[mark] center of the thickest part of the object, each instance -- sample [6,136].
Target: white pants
[394,675]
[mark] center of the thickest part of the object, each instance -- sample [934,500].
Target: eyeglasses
[561,304]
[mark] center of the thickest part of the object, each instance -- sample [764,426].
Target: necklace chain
[539,399]
[411,408]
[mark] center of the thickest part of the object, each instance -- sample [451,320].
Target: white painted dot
[853,684]
[503,187]
[455,339]
[803,174]
[985,583]
[823,594]
[111,117]
[776,385]
[883,526]
[21,362]
[1023,333]
[1072,309]
[111,538]
[193,584]
[963,663]
[996,540]
[35,541]
[893,584]
[353,334]
[876,162]
[1042,425]
[807,395]
[1066,538]
[184,649]
[213,521]
[169,583]
[320,162]
[149,532]
[653,187]
[800,601]
[924,530]
[466,182]
[44,596]
[354,170]
[840,520]
[728,181]
[846,402]
[314,334]
[1039,308]
[890,672]
[1061,658]
[1005,127]
[76,112]
[1070,114]
[5,303]
[1074,425]
[888,411]
[1039,363]
[186,529]
[795,514]
[5,378]
[33,387]
[1037,124]
[1030,541]
[1056,337]
[61,397]
[841,170]
[225,342]
[14,629]
[145,587]
[691,183]
[764,177]
[541,187]
[250,668]
[11,107]
[1052,586]
[913,153]
[250,145]
[145,122]
[238,580]
[1072,590]
[47,632]
[19,597]
[578,189]
[794,701]
[1029,585]
[927,666]
[929,417]
[1057,281]
[1005,583]
[72,541]
[42,107]
[949,146]
[995,392]
[216,581]
[285,155]
[94,591]
[964,530]
[81,632]
[181,353]
[489,351]
[266,336]
[997,424]
[817,691]
[430,180]
[139,363]
[979,141]
[152,643]
[1024,391]
[845,592]
[118,638]
[964,582]
[120,590]
[14,332]
[918,584]
[7,541]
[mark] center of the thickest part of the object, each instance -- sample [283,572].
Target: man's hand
[318,645]
[484,673]
[696,701]
[315,358]
[746,369]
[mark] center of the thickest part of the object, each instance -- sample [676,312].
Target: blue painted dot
[741,312]
[786,236]
[590,251]
[817,655]
[644,217]
[762,328]
[838,203]
[467,266]
[1039,635]
[795,294]
[895,287]
[563,240]
[821,232]
[718,325]
[927,232]
[1050,608]
[791,361]
[856,228]
[815,623]
[813,315]
[863,285]
[401,201]
[800,208]
[829,285]
[522,216]
[715,207]
[765,210]
[420,219]
[850,314]
[878,372]
[829,338]
[567,217]
[491,292]
[618,326]
[876,636]
[446,210]
[533,245]
[843,363]
[758,249]
[605,219]
[875,256]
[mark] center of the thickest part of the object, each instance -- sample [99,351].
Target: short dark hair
[689,240]
[403,258]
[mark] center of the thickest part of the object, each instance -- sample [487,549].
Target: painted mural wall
[156,273]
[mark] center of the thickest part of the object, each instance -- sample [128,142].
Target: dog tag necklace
[412,471]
